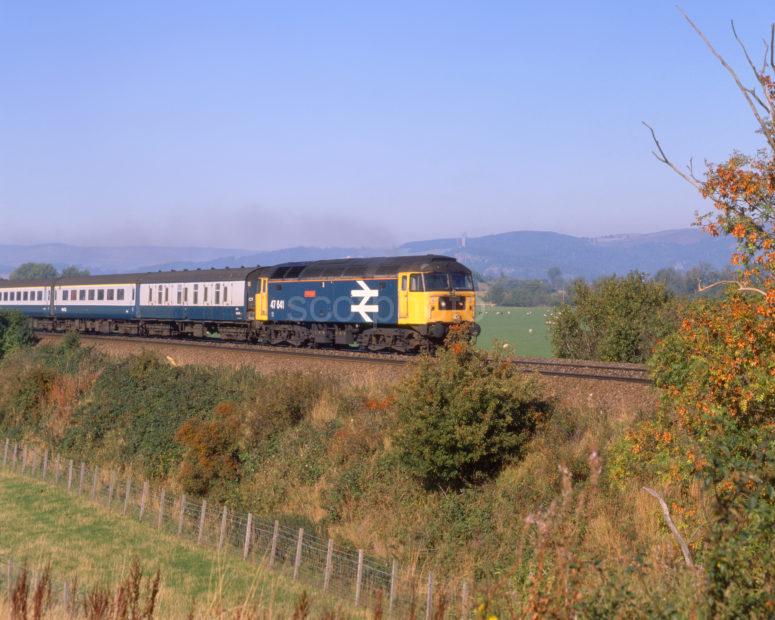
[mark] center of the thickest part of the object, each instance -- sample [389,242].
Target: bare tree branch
[751,103]
[745,51]
[772,46]
[740,287]
[676,534]
[660,155]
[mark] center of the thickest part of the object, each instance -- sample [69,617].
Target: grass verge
[39,523]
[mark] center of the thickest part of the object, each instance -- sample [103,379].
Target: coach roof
[25,283]
[363,267]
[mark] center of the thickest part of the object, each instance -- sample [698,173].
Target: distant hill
[105,259]
[529,254]
[520,254]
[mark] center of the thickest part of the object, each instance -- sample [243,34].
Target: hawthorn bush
[462,415]
[211,463]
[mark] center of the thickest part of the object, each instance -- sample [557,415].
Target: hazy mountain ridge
[522,254]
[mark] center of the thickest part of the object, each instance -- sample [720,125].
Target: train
[405,304]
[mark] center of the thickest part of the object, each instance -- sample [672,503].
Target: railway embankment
[359,461]
[602,387]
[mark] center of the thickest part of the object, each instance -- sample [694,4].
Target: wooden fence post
[111,487]
[70,476]
[273,549]
[329,564]
[248,537]
[94,482]
[182,513]
[24,458]
[429,598]
[80,478]
[126,494]
[393,585]
[143,499]
[5,451]
[222,531]
[15,450]
[57,469]
[45,463]
[359,578]
[297,559]
[202,514]
[464,609]
[162,495]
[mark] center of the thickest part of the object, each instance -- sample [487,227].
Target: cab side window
[403,283]
[415,282]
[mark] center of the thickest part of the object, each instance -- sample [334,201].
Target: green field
[523,329]
[40,523]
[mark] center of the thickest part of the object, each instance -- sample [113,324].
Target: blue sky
[262,125]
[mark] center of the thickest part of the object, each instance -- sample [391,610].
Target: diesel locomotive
[403,304]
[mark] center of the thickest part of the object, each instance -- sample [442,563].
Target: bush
[615,319]
[462,415]
[138,404]
[15,332]
[212,460]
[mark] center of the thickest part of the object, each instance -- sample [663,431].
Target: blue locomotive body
[367,301]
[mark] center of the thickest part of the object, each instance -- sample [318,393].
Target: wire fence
[351,574]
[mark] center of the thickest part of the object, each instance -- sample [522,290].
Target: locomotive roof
[363,267]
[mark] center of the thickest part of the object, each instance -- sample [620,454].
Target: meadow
[40,523]
[523,329]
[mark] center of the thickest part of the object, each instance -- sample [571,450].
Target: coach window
[179,295]
[225,294]
[150,294]
[40,295]
[120,294]
[91,294]
[185,295]
[82,294]
[159,293]
[415,282]
[111,294]
[101,294]
[204,296]
[166,294]
[217,293]
[196,294]
[64,295]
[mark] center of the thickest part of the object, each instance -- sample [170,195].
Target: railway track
[576,369]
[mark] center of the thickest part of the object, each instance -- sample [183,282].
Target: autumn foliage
[211,460]
[717,373]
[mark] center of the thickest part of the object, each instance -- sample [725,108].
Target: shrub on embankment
[312,449]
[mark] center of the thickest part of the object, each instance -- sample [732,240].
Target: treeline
[554,289]
[45,271]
